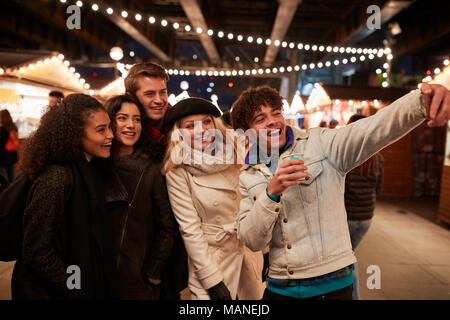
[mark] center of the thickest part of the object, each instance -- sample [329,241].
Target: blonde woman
[203,186]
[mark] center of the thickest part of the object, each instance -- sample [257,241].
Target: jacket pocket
[310,188]
[256,188]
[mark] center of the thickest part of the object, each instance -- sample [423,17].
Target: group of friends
[114,193]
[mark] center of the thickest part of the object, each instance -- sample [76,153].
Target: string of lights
[258,39]
[437,71]
[267,71]
[59,59]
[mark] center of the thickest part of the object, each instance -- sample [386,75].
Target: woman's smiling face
[199,136]
[127,125]
[98,136]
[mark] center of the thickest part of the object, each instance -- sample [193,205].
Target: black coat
[143,225]
[64,225]
[361,192]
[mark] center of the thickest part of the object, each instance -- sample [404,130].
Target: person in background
[205,199]
[8,145]
[55,97]
[147,82]
[143,226]
[333,124]
[323,124]
[362,185]
[64,222]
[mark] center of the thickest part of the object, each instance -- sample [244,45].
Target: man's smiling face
[152,94]
[271,120]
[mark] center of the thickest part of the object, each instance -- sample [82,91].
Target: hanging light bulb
[116,53]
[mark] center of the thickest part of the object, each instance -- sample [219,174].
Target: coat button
[215,203]
[307,178]
[285,220]
[291,272]
[233,196]
[289,246]
[277,210]
[254,198]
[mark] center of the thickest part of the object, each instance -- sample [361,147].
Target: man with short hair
[296,207]
[55,97]
[147,82]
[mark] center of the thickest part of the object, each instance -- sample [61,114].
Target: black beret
[190,106]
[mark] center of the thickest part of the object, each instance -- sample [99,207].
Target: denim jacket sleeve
[350,146]
[257,216]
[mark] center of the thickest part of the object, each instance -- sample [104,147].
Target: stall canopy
[339,102]
[44,69]
[26,79]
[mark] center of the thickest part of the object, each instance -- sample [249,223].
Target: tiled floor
[413,254]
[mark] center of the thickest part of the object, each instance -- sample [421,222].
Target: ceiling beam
[431,30]
[55,23]
[132,31]
[195,16]
[285,13]
[352,28]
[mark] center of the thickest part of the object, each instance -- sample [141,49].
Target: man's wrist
[272,197]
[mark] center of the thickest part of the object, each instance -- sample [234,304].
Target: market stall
[26,79]
[339,102]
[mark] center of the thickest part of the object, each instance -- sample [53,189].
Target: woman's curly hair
[251,101]
[58,137]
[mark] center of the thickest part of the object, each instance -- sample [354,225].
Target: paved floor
[412,252]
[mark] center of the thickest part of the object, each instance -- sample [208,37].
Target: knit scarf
[204,162]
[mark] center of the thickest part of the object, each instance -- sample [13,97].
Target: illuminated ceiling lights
[250,38]
[58,59]
[255,71]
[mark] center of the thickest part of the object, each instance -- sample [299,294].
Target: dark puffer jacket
[361,192]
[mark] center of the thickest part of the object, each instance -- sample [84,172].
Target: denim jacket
[307,230]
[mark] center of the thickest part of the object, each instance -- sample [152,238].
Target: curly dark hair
[113,106]
[58,137]
[250,101]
